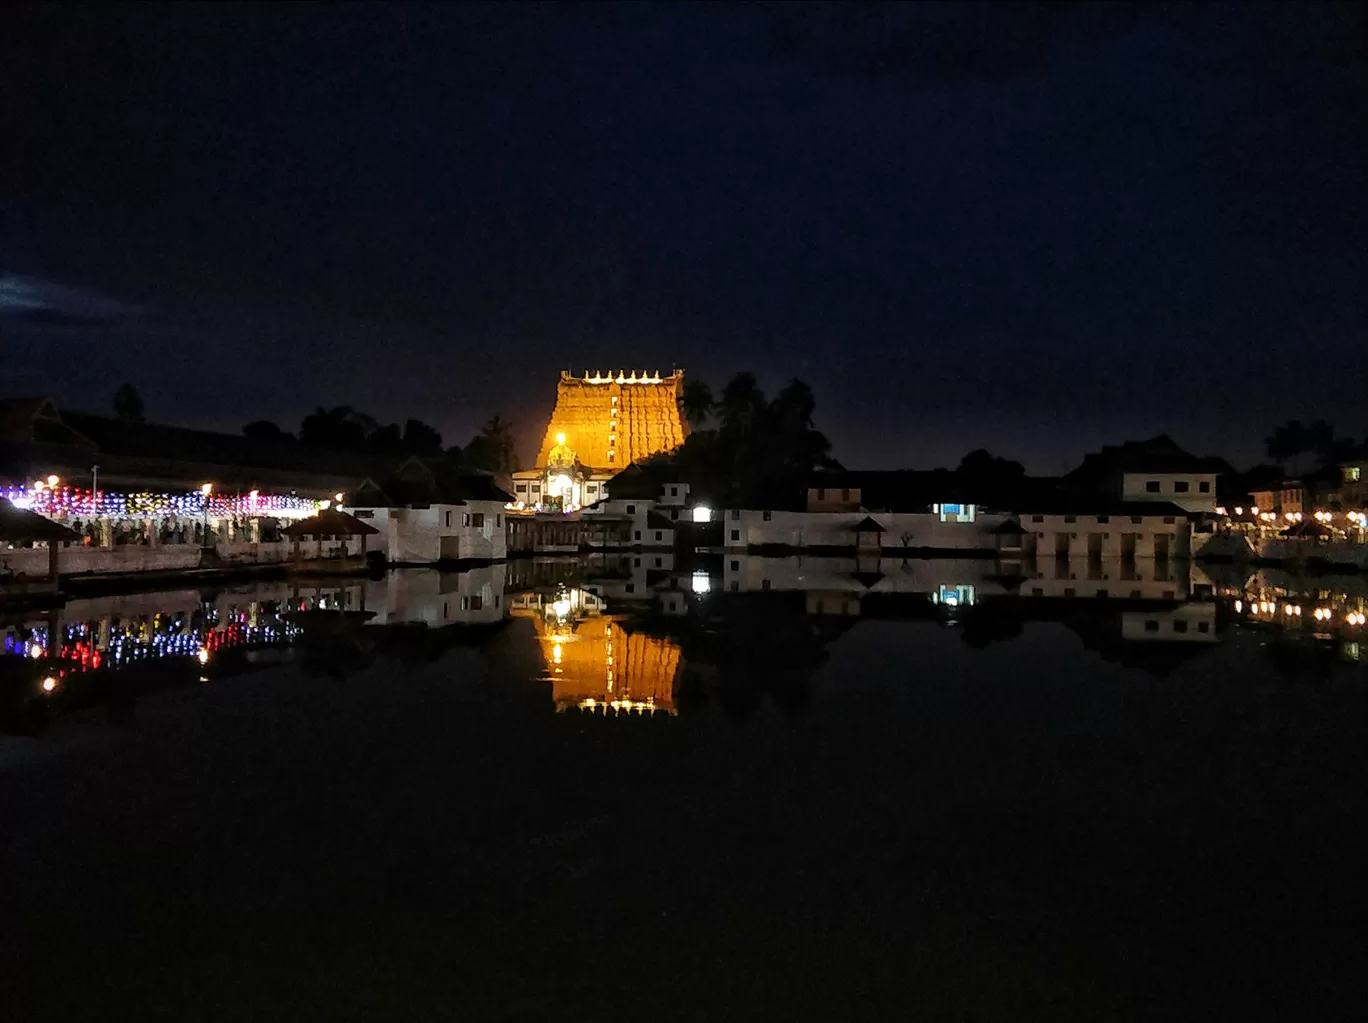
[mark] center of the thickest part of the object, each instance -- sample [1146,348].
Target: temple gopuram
[602,423]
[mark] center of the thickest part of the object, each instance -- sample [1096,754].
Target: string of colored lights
[64,502]
[86,647]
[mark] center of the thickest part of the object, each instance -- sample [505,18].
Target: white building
[1151,470]
[1136,529]
[424,518]
[653,508]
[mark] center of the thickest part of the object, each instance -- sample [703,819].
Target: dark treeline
[742,443]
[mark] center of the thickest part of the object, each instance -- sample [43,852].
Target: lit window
[1352,473]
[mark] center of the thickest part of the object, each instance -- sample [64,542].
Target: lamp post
[206,490]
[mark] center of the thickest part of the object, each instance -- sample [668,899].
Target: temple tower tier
[610,420]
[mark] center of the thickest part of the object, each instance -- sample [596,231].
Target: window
[821,493]
[1135,594]
[658,536]
[1169,520]
[631,509]
[736,534]
[363,513]
[631,587]
[498,520]
[1204,486]
[1203,626]
[1135,520]
[1037,591]
[1070,518]
[1181,487]
[477,603]
[477,520]
[445,613]
[465,519]
[657,564]
[1102,520]
[764,584]
[1151,625]
[767,516]
[1168,595]
[637,535]
[734,586]
[465,603]
[496,600]
[1037,518]
[520,488]
[448,518]
[736,565]
[845,494]
[636,562]
[1069,591]
[610,456]
[1152,486]
[1180,626]
[674,515]
[1102,593]
[674,491]
[736,514]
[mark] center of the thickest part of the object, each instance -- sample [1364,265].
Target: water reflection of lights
[202,655]
[49,684]
[561,607]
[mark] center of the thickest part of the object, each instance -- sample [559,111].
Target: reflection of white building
[957,581]
[1187,623]
[438,598]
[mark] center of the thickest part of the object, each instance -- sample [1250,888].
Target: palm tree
[696,402]
[742,402]
[498,436]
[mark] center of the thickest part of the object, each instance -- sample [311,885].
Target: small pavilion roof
[330,522]
[22,525]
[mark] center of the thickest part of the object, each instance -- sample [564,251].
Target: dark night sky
[1037,229]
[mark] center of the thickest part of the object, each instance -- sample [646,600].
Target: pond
[742,787]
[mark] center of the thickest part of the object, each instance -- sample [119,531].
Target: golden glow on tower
[614,418]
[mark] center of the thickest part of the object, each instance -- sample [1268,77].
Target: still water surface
[551,789]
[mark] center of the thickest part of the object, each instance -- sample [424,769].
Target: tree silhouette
[421,439]
[741,404]
[696,402]
[128,404]
[493,449]
[1287,441]
[264,429]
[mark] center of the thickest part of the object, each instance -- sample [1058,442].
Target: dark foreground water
[758,789]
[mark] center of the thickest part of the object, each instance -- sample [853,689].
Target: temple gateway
[603,422]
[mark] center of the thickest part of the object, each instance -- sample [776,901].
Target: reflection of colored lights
[202,655]
[49,684]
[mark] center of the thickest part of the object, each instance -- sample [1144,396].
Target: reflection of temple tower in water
[596,664]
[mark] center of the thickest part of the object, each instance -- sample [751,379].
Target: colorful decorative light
[74,502]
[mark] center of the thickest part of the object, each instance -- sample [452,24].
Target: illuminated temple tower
[602,423]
